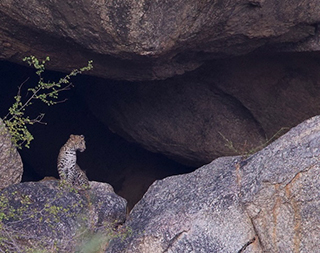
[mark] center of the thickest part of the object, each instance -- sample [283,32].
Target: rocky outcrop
[230,108]
[145,40]
[44,216]
[11,167]
[267,202]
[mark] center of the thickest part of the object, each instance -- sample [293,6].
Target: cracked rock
[150,40]
[268,202]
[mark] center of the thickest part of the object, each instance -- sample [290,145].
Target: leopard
[68,169]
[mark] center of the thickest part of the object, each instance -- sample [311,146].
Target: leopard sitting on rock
[68,169]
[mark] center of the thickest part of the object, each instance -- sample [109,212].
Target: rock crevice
[221,217]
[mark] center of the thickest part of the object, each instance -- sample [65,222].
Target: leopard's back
[78,178]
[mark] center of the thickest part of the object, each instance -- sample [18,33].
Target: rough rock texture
[44,215]
[184,118]
[144,40]
[196,212]
[268,202]
[192,119]
[11,167]
[279,90]
[227,107]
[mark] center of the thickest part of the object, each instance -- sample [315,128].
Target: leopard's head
[77,142]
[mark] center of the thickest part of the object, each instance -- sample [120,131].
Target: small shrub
[48,92]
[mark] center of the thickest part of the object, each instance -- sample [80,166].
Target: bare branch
[20,86]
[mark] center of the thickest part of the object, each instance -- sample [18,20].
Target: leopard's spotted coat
[68,169]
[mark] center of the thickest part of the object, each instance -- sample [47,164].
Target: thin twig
[20,86]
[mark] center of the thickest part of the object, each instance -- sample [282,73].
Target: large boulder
[185,118]
[144,40]
[11,167]
[268,202]
[46,216]
[279,90]
[227,107]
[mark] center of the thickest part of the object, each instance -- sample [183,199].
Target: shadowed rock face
[279,90]
[147,40]
[11,167]
[268,202]
[227,107]
[187,118]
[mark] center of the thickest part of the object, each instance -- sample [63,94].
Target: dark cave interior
[129,168]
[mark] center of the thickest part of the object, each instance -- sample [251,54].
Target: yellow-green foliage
[47,92]
[87,237]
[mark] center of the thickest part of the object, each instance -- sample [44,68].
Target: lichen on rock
[11,167]
[48,216]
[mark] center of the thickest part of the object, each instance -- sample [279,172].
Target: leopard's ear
[72,136]
[82,136]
